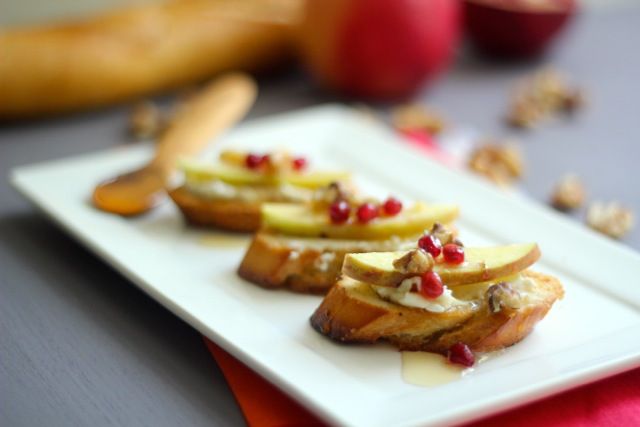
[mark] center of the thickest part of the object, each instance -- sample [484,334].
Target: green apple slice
[301,220]
[481,264]
[198,172]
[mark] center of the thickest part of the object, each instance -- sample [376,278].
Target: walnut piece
[145,120]
[417,117]
[569,193]
[442,233]
[415,261]
[333,192]
[502,295]
[280,161]
[574,100]
[541,95]
[611,219]
[502,164]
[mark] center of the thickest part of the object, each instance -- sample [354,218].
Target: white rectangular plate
[594,332]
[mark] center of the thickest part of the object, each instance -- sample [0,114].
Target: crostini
[229,194]
[302,247]
[450,300]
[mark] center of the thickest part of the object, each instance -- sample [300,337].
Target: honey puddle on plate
[431,369]
[223,240]
[428,369]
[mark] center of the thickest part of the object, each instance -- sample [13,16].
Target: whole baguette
[353,312]
[137,51]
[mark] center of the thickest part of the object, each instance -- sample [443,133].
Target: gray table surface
[82,346]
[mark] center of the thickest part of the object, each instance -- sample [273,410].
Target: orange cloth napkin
[612,402]
[262,404]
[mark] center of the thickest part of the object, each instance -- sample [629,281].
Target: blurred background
[534,95]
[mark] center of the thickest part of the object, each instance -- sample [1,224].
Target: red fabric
[262,404]
[611,402]
[426,143]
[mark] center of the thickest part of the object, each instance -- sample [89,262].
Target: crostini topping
[430,244]
[366,212]
[339,212]
[216,189]
[461,354]
[255,161]
[416,261]
[299,163]
[324,260]
[325,196]
[453,254]
[277,162]
[502,295]
[430,285]
[443,234]
[391,206]
[405,295]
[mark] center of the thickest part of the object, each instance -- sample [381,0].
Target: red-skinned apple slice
[481,264]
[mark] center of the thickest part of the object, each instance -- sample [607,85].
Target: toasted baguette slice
[232,215]
[309,265]
[353,312]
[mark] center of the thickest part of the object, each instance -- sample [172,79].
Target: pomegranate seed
[253,161]
[431,285]
[430,244]
[392,206]
[453,253]
[299,163]
[366,212]
[339,212]
[461,354]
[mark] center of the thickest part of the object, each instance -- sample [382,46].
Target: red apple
[378,49]
[516,28]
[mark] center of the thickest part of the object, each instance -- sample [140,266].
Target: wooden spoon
[218,106]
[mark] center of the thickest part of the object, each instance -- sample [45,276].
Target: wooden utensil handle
[218,106]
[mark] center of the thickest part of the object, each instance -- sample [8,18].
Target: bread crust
[351,312]
[137,51]
[304,265]
[231,215]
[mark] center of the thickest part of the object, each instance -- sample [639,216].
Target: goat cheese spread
[524,286]
[402,295]
[217,189]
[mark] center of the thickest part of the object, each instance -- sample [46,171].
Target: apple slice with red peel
[480,265]
[236,174]
[303,221]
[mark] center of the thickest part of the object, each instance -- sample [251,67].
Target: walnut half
[415,261]
[569,193]
[443,234]
[145,120]
[502,295]
[417,117]
[333,192]
[502,164]
[611,219]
